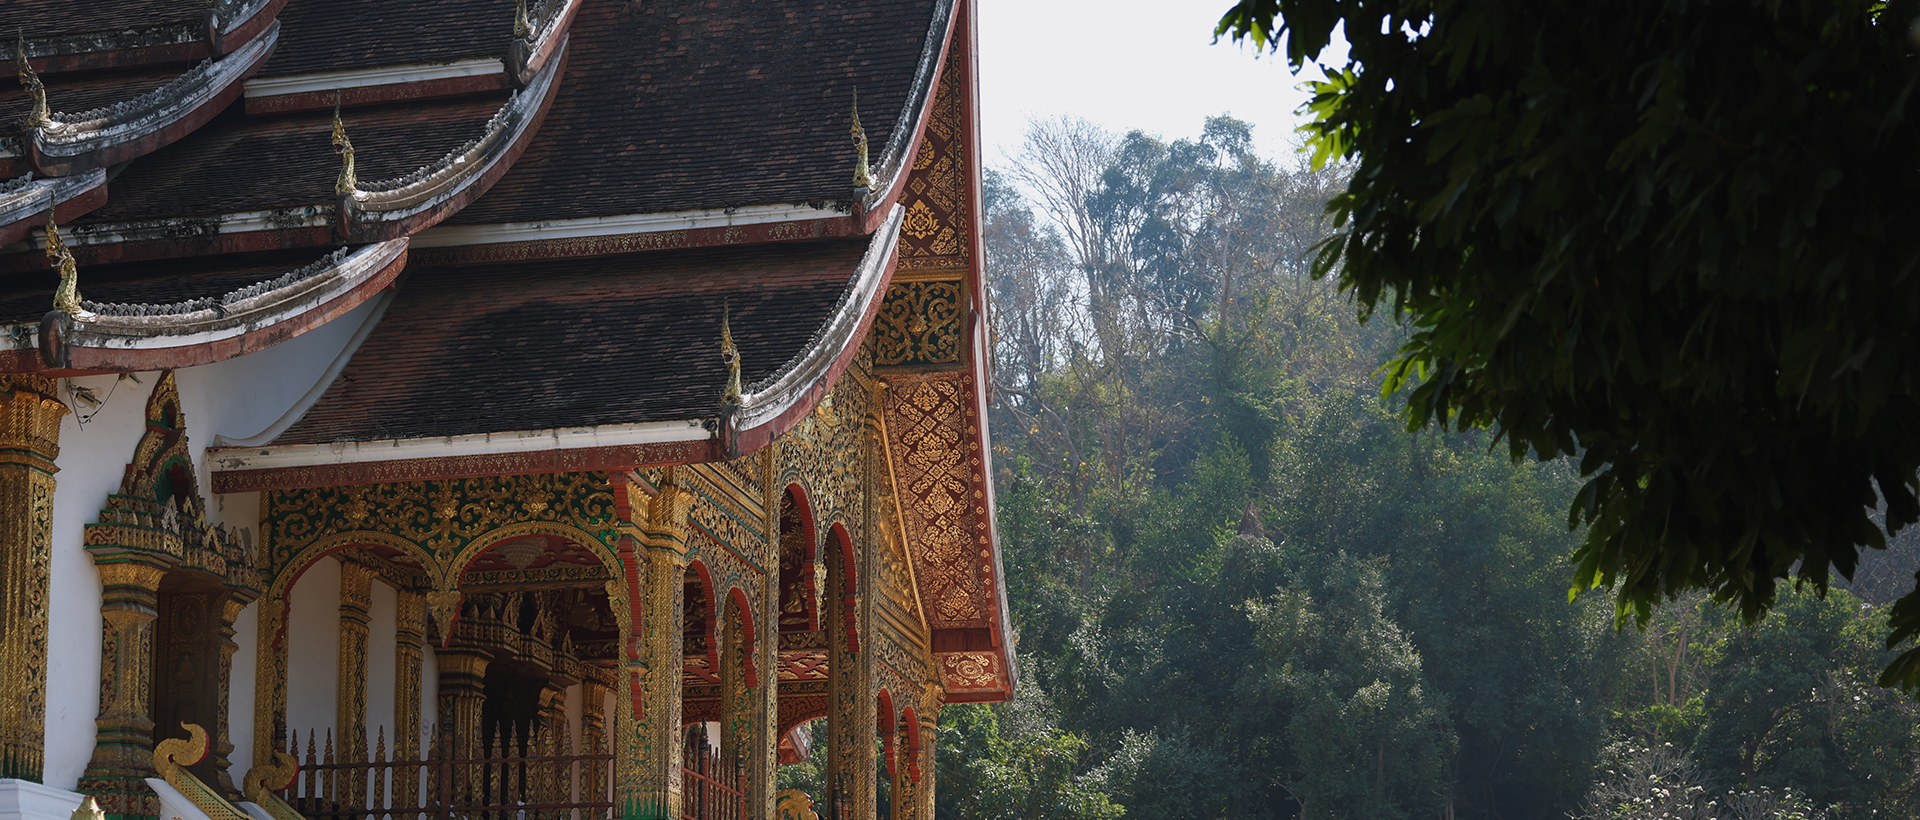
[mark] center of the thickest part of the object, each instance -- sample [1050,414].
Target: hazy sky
[1125,64]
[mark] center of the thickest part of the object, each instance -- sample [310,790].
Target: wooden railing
[710,783]
[537,777]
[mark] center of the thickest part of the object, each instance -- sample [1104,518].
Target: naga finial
[522,27]
[67,297]
[344,147]
[38,116]
[862,176]
[730,354]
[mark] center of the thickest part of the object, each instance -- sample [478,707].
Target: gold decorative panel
[920,323]
[938,228]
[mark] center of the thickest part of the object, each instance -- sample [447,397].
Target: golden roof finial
[38,116]
[862,176]
[67,297]
[522,27]
[731,355]
[344,147]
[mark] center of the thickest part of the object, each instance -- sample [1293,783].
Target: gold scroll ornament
[172,756]
[263,780]
[794,804]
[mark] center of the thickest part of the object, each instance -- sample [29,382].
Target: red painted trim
[886,726]
[122,359]
[979,696]
[624,457]
[561,29]
[837,227]
[870,218]
[248,30]
[150,142]
[911,721]
[377,94]
[66,211]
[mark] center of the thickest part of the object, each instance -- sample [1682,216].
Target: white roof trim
[770,397]
[443,236]
[306,216]
[226,459]
[362,78]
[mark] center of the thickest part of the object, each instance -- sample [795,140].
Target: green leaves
[1675,238]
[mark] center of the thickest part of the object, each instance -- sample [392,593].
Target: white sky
[1125,64]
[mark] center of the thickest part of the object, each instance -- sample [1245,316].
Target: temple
[490,408]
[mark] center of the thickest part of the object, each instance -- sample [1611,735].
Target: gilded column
[748,734]
[649,712]
[929,734]
[851,790]
[123,738]
[409,650]
[593,737]
[230,609]
[463,688]
[29,446]
[270,681]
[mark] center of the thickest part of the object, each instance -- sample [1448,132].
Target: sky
[1125,64]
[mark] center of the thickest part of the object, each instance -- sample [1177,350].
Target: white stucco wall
[382,638]
[240,695]
[236,398]
[313,651]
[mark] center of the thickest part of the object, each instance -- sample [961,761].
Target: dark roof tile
[683,106]
[606,340]
[342,35]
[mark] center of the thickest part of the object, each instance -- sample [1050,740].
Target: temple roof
[346,35]
[473,349]
[726,104]
[239,163]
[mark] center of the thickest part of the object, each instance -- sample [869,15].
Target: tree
[1673,240]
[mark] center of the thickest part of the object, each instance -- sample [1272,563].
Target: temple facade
[486,408]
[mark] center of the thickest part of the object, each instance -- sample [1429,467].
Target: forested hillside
[1243,589]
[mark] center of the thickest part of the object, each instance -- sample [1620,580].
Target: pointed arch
[744,610]
[910,741]
[698,573]
[886,725]
[841,546]
[799,592]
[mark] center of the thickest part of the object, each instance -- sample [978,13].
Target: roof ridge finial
[39,116]
[862,175]
[344,147]
[66,298]
[522,27]
[730,354]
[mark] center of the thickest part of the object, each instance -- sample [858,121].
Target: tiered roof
[579,194]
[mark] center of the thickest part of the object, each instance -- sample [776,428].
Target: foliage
[1669,239]
[985,774]
[1243,588]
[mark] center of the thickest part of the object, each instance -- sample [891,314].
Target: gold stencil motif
[919,324]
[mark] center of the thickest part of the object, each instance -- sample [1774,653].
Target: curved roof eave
[152,337]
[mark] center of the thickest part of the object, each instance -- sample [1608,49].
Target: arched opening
[910,742]
[186,655]
[847,573]
[801,572]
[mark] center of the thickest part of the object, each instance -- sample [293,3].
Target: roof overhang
[116,337]
[772,406]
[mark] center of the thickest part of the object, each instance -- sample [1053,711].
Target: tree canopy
[1672,239]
